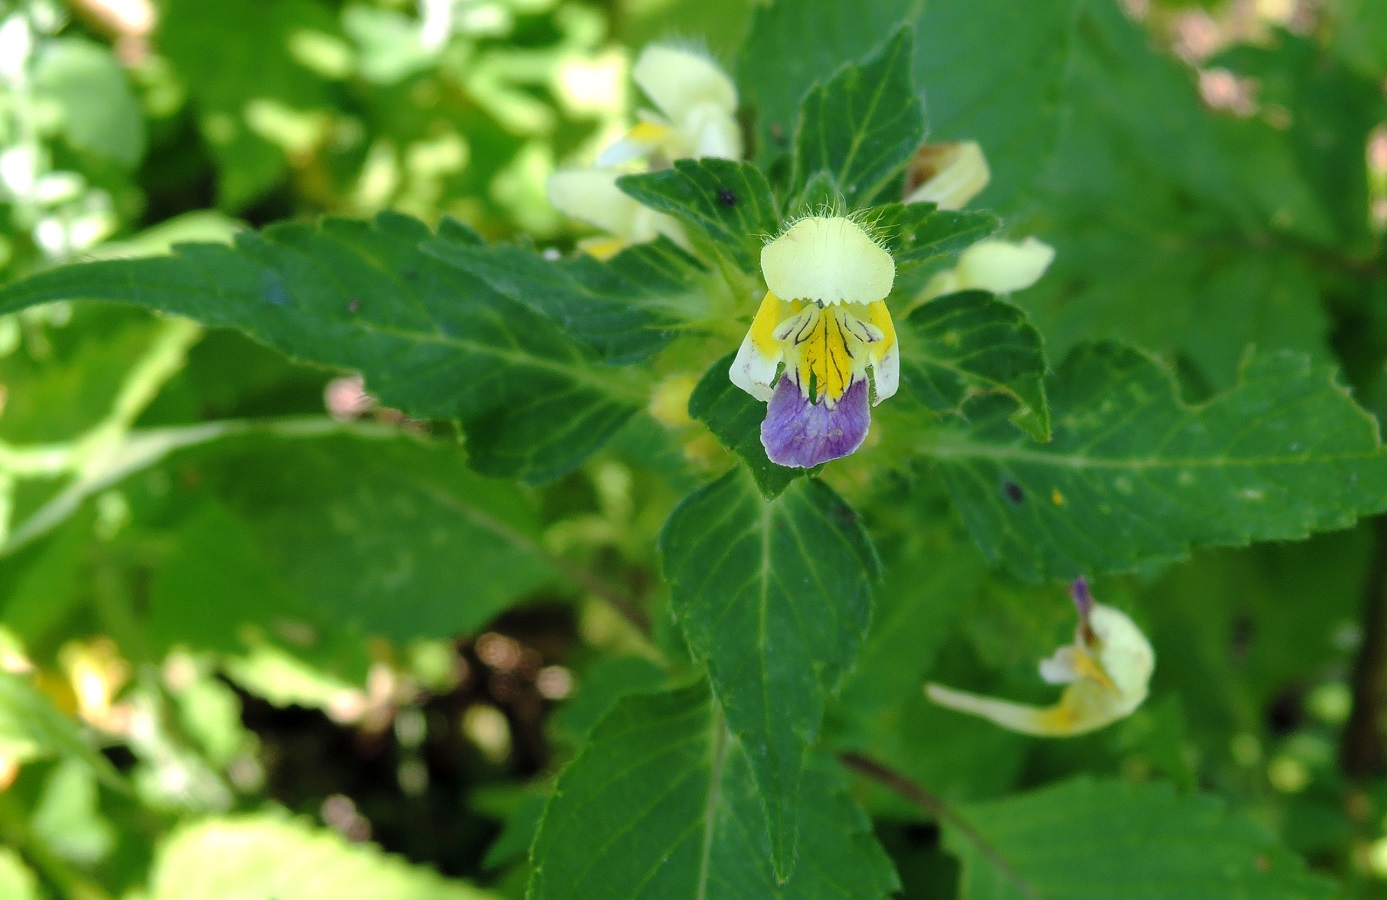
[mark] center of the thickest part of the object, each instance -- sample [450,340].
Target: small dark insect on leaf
[354,305]
[843,514]
[727,197]
[778,133]
[1013,492]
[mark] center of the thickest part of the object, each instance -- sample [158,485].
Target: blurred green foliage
[381,639]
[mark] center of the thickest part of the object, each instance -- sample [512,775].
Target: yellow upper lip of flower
[827,259]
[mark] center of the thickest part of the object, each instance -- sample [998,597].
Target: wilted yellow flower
[947,175]
[97,673]
[1107,668]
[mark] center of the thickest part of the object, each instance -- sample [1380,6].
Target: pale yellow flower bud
[1001,267]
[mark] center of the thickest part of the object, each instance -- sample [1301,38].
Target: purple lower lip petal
[801,434]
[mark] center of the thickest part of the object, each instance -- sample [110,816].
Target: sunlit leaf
[31,728]
[430,339]
[1135,476]
[862,125]
[100,114]
[957,346]
[622,308]
[268,856]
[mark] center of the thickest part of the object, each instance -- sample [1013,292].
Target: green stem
[163,360]
[942,812]
[1360,747]
[139,450]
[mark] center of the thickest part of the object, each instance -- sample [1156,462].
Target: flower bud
[994,265]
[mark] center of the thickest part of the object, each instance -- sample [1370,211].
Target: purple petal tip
[1083,599]
[801,434]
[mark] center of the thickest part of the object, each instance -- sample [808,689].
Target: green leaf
[430,339]
[268,856]
[622,308]
[1360,35]
[795,43]
[928,580]
[1198,610]
[1199,254]
[31,728]
[100,114]
[735,417]
[518,832]
[362,533]
[958,346]
[662,804]
[67,817]
[727,202]
[862,125]
[992,72]
[1333,111]
[214,581]
[917,234]
[16,881]
[1088,838]
[774,595]
[600,686]
[1134,476]
[254,100]
[72,388]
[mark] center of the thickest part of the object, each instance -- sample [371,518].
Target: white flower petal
[591,195]
[828,259]
[1062,667]
[712,131]
[886,373]
[753,371]
[1124,653]
[885,352]
[759,357]
[678,80]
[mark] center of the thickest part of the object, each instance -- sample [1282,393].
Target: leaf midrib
[966,450]
[717,756]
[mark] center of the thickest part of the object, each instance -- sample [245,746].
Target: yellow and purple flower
[821,350]
[1107,670]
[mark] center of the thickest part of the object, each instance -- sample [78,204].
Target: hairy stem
[935,806]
